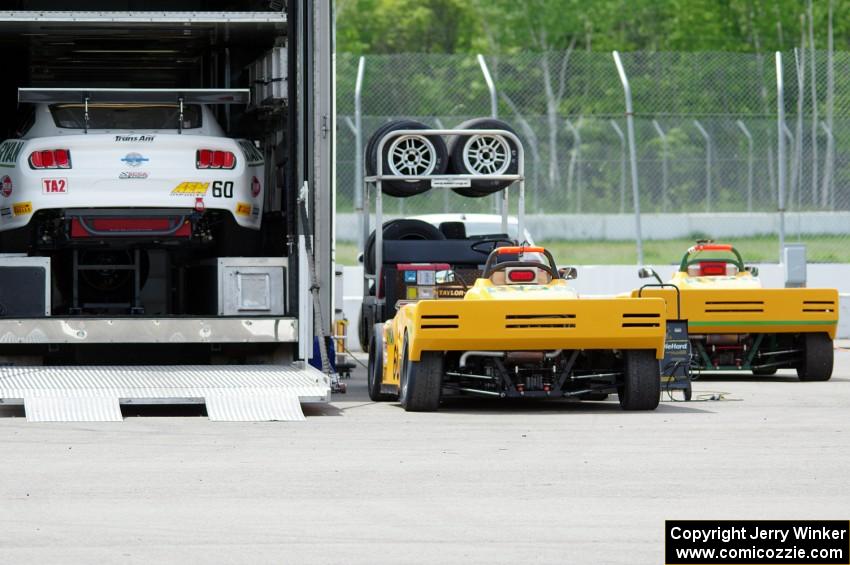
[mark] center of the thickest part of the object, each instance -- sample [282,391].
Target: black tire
[429,144]
[400,230]
[364,323]
[458,165]
[818,357]
[764,371]
[421,382]
[641,387]
[688,393]
[374,375]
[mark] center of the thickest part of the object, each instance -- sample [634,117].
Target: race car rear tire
[421,381]
[818,357]
[400,230]
[374,375]
[764,371]
[463,162]
[429,156]
[641,386]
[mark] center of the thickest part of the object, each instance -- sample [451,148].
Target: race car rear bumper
[755,311]
[524,325]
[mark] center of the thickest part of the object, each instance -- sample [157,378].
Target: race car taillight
[213,159]
[709,269]
[256,187]
[50,159]
[522,275]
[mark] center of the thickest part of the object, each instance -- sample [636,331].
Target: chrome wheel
[412,155]
[487,155]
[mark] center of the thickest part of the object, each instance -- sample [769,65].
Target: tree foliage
[504,26]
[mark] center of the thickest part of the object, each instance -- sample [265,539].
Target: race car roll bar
[443,181]
[739,260]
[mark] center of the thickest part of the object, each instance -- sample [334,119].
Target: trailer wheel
[421,382]
[817,357]
[406,155]
[764,371]
[376,365]
[483,155]
[641,387]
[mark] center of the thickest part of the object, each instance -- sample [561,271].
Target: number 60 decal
[222,189]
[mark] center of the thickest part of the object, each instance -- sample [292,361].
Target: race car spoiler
[134,95]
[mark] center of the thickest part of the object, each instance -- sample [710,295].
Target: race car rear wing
[134,95]
[88,96]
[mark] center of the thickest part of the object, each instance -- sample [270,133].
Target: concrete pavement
[478,482]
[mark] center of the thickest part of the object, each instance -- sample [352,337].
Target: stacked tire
[483,155]
[406,155]
[421,155]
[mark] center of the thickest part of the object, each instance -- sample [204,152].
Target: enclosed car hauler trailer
[114,301]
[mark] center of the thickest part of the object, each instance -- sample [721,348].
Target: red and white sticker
[54,186]
[6,186]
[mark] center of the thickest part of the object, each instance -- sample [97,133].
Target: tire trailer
[375,308]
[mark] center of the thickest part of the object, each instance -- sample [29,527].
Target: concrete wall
[614,279]
[658,226]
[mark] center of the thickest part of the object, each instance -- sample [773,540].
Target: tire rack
[376,180]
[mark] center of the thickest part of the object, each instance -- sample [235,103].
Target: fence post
[491,86]
[494,113]
[358,153]
[622,165]
[789,184]
[708,154]
[575,163]
[828,188]
[749,137]
[630,128]
[780,151]
[664,181]
[797,178]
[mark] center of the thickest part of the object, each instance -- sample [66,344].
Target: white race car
[145,163]
[118,186]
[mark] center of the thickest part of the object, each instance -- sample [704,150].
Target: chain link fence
[706,138]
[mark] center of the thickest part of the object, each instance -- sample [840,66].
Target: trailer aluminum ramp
[233,393]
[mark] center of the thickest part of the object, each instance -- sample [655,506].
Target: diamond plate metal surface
[72,409]
[232,393]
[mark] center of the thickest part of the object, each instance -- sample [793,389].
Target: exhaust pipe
[512,356]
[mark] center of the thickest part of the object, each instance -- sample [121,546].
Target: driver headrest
[453,230]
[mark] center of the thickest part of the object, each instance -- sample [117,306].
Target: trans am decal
[134,138]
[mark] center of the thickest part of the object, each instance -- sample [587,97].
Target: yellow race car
[519,331]
[736,324]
